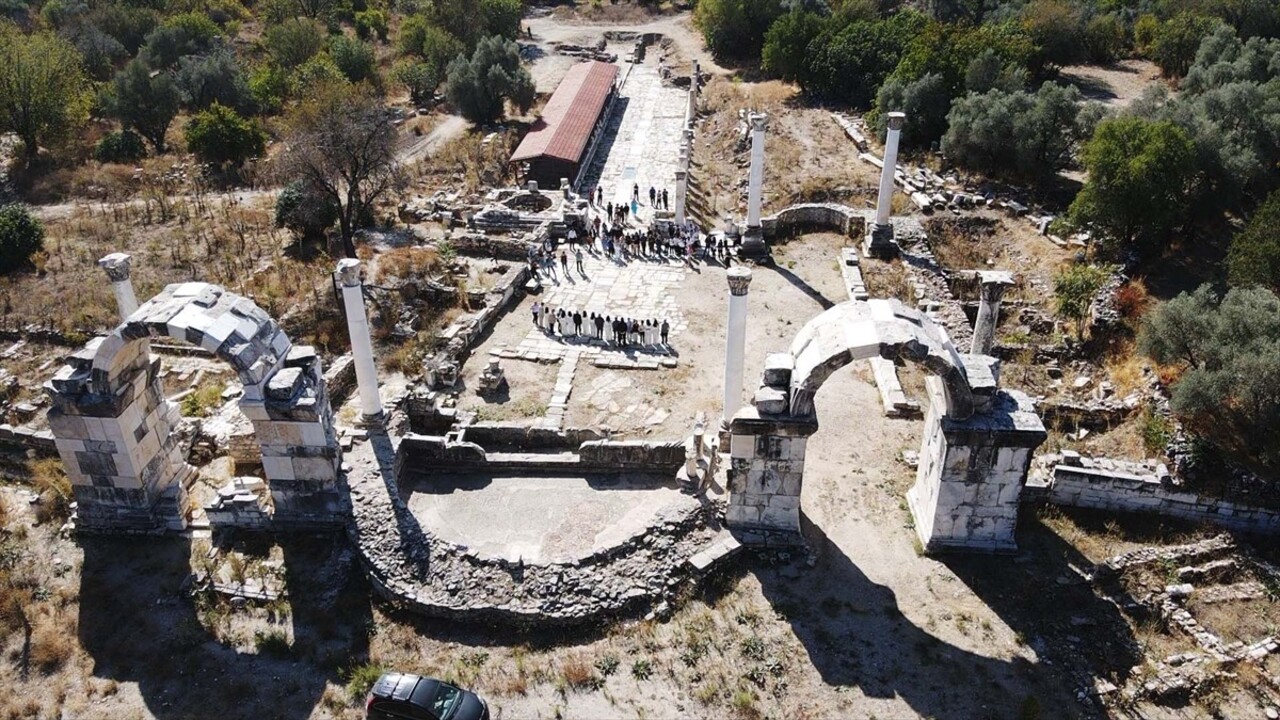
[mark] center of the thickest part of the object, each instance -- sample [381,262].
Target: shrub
[354,58]
[1073,291]
[294,42]
[642,669]
[419,78]
[1156,432]
[1132,299]
[1254,257]
[303,210]
[273,642]
[360,680]
[181,35]
[120,147]
[1231,349]
[222,137]
[21,236]
[371,23]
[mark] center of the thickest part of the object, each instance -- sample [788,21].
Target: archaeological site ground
[725,360]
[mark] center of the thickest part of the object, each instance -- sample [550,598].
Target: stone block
[771,401]
[778,368]
[742,446]
[94,463]
[277,468]
[314,468]
[781,518]
[739,514]
[285,384]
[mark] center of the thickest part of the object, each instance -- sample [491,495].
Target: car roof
[424,693]
[396,686]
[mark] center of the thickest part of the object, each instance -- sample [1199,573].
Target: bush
[1156,432]
[1254,257]
[1231,349]
[222,137]
[293,42]
[354,58]
[21,236]
[120,147]
[273,643]
[1073,291]
[360,680]
[305,211]
[735,29]
[478,86]
[371,23]
[419,78]
[181,35]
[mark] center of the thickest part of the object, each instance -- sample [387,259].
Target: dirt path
[450,127]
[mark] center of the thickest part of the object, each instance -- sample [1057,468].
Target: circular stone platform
[538,520]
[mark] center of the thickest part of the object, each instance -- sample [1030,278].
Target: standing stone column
[993,283]
[758,122]
[880,234]
[361,342]
[735,346]
[116,266]
[682,186]
[753,237]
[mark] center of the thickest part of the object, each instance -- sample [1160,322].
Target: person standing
[599,323]
[635,192]
[577,256]
[564,263]
[537,313]
[599,196]
[666,329]
[653,196]
[577,323]
[665,206]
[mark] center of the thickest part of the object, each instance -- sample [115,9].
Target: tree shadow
[138,624]
[856,636]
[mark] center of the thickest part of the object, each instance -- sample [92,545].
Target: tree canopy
[1140,172]
[479,85]
[44,93]
[1254,257]
[1230,347]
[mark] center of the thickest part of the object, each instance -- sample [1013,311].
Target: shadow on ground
[856,635]
[138,625]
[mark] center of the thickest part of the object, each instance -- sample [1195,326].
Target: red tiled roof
[566,123]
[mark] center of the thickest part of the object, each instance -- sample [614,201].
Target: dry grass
[469,163]
[406,262]
[577,673]
[889,280]
[1124,366]
[53,640]
[1133,300]
[49,480]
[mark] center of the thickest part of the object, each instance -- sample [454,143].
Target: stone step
[723,546]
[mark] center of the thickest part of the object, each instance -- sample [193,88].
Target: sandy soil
[1116,85]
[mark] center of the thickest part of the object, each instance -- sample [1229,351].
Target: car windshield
[445,700]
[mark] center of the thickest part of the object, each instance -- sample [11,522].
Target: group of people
[657,199]
[620,330]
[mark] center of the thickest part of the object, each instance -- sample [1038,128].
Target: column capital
[759,121]
[116,266]
[739,278]
[349,272]
[896,119]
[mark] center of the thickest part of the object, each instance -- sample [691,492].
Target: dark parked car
[400,696]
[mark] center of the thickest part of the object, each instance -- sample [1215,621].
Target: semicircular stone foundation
[415,568]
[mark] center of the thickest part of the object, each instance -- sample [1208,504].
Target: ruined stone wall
[813,217]
[515,437]
[656,457]
[1126,487]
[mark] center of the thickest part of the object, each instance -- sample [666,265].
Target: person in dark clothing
[599,196]
[653,194]
[577,323]
[635,191]
[666,329]
[665,206]
[619,327]
[599,323]
[610,209]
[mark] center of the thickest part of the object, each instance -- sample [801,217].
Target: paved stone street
[639,289]
[640,147]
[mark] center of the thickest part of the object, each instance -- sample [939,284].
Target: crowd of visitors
[615,330]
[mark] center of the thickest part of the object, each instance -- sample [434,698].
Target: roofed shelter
[560,142]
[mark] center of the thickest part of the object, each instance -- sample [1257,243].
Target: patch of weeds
[753,648]
[642,669]
[607,665]
[273,643]
[694,651]
[360,680]
[475,659]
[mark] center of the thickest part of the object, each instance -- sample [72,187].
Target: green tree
[305,210]
[222,137]
[502,17]
[355,58]
[214,77]
[1230,348]
[1105,39]
[293,42]
[120,147]
[371,24]
[849,63]
[1073,291]
[786,46]
[735,29]
[1139,175]
[419,78]
[478,86]
[926,101]
[144,102]
[1174,43]
[21,236]
[44,93]
[181,35]
[1024,136]
[1056,27]
[1254,257]
[342,144]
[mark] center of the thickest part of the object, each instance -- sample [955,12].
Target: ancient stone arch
[114,429]
[974,457]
